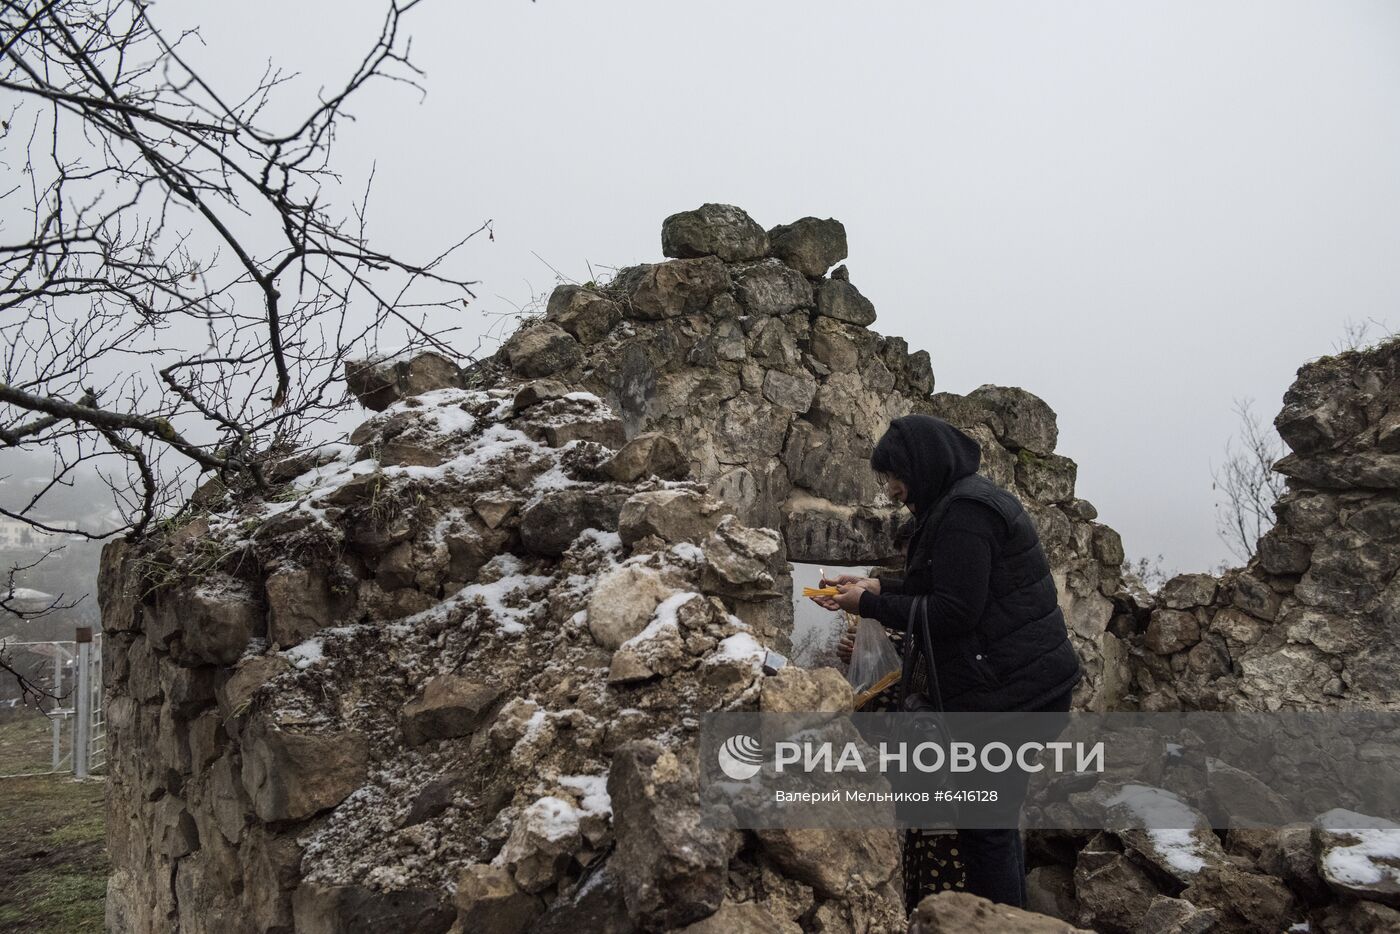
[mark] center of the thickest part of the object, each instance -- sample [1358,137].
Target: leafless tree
[1246,485]
[177,291]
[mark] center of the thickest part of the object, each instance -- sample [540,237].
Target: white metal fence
[70,674]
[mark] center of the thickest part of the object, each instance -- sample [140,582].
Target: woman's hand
[871,584]
[847,643]
[848,599]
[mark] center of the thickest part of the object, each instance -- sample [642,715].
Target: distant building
[21,536]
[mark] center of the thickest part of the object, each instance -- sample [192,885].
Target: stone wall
[1313,619]
[448,675]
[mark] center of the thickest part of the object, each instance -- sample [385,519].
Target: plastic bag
[875,664]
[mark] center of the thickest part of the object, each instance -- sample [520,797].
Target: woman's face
[896,489]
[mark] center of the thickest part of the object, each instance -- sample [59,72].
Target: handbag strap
[917,639]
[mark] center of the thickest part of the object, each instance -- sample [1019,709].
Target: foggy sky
[1139,211]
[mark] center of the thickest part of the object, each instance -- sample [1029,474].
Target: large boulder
[1359,855]
[450,705]
[379,383]
[680,287]
[623,603]
[674,867]
[544,349]
[809,245]
[587,315]
[772,289]
[964,913]
[671,515]
[1023,420]
[841,300]
[291,776]
[721,230]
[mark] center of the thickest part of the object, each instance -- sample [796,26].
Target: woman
[999,638]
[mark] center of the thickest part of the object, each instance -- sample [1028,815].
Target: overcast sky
[1139,211]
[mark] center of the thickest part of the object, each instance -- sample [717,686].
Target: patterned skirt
[930,858]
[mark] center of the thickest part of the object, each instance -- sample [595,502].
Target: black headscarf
[928,454]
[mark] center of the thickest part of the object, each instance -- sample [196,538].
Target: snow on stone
[608,541]
[1168,821]
[688,552]
[554,818]
[593,792]
[663,619]
[493,595]
[740,647]
[1373,858]
[306,654]
[452,419]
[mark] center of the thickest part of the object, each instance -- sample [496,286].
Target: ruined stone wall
[1313,619]
[448,674]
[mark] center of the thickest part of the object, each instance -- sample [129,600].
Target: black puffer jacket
[999,636]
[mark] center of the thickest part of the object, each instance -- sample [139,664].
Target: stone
[680,287]
[450,705]
[298,605]
[809,245]
[743,918]
[650,454]
[1027,423]
[474,541]
[291,776]
[1050,891]
[794,393]
[671,515]
[1108,544]
[1113,892]
[1185,591]
[799,690]
[1171,631]
[1358,855]
[771,289]
[544,349]
[659,649]
[1047,478]
[538,391]
[210,624]
[833,346]
[744,562]
[721,230]
[586,315]
[595,904]
[378,384]
[843,301]
[488,899]
[354,909]
[623,602]
[1288,855]
[675,865]
[1255,597]
[965,913]
[603,429]
[551,524]
[1360,918]
[919,373]
[833,861]
[1245,901]
[1168,915]
[542,841]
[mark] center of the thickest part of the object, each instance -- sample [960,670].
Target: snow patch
[306,654]
[1169,824]
[1374,857]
